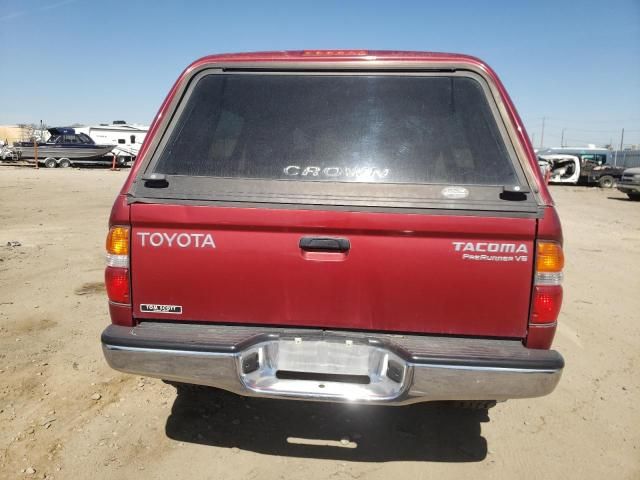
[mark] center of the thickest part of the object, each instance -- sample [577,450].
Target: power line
[562,119]
[620,120]
[574,126]
[576,140]
[557,135]
[591,130]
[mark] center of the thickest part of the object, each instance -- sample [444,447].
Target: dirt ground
[65,414]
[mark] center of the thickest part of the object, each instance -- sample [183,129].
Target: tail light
[117,282]
[547,294]
[549,262]
[546,304]
[117,271]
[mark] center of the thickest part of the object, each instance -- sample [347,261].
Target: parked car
[581,166]
[630,183]
[545,169]
[346,226]
[562,168]
[7,153]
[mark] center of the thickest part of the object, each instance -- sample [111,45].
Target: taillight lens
[117,271]
[549,263]
[546,304]
[118,241]
[547,294]
[117,283]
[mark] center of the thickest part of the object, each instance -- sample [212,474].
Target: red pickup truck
[356,226]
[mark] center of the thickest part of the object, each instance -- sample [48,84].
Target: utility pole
[562,139]
[615,158]
[35,150]
[542,134]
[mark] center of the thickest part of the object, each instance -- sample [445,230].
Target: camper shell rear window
[335,138]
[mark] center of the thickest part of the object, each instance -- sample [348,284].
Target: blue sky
[91,61]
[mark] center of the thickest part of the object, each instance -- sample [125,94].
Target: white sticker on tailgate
[155,308]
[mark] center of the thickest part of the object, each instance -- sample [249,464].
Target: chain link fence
[626,158]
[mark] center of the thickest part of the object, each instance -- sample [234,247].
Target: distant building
[12,133]
[15,133]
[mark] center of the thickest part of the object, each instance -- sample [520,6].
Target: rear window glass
[338,128]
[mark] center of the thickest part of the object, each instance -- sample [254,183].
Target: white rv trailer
[126,137]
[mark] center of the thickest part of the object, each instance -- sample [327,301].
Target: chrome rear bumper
[333,366]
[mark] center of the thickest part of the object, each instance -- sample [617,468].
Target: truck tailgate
[442,274]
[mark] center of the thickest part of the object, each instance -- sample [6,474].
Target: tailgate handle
[325,244]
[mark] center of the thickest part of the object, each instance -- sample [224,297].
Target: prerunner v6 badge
[154,308]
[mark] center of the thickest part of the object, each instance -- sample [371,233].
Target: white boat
[64,147]
[127,138]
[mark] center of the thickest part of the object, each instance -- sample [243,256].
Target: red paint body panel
[119,211]
[121,314]
[549,227]
[402,272]
[541,336]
